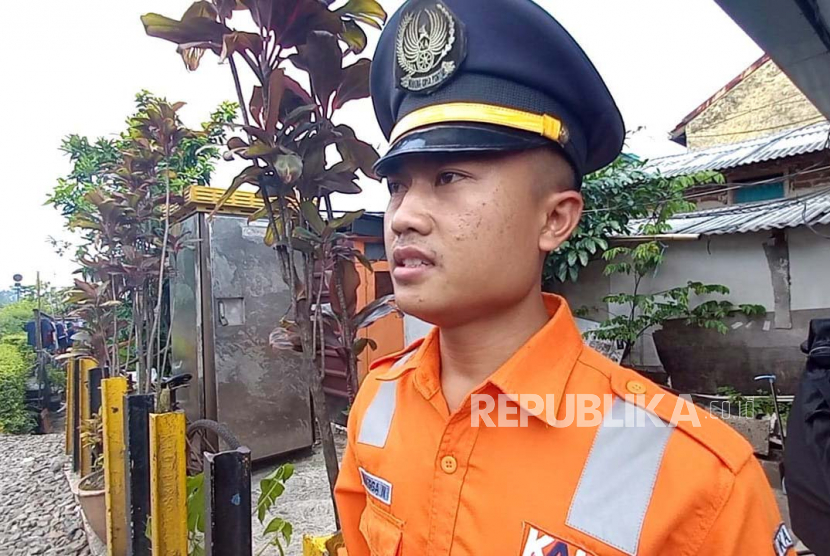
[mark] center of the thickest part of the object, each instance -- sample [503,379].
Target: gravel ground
[306,503]
[38,514]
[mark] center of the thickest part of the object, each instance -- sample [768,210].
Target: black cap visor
[458,138]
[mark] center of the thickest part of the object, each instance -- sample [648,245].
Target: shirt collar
[542,366]
[408,359]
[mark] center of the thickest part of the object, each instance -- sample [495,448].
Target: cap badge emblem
[424,45]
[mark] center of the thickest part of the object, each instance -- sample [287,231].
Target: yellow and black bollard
[168,486]
[113,391]
[70,408]
[138,408]
[73,417]
[228,503]
[85,367]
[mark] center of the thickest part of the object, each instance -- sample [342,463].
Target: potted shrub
[91,487]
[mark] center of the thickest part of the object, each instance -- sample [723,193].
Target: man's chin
[422,304]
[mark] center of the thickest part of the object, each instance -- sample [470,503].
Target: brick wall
[810,168]
[811,180]
[765,102]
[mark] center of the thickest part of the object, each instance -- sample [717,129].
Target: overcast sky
[74,67]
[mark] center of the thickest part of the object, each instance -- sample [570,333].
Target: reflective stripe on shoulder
[397,369]
[617,482]
[378,417]
[404,358]
[408,351]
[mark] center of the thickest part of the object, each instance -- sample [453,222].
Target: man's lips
[411,257]
[411,264]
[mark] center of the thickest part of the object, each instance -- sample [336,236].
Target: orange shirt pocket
[382,530]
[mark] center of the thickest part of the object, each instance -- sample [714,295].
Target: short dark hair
[558,152]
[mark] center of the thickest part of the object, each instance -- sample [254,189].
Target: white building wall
[809,268]
[735,261]
[738,261]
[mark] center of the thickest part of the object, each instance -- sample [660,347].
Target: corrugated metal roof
[803,140]
[810,209]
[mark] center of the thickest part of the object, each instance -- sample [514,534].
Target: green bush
[14,368]
[14,316]
[16,340]
[57,378]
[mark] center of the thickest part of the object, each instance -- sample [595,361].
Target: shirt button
[449,464]
[636,387]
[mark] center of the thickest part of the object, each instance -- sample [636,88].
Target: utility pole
[41,359]
[39,335]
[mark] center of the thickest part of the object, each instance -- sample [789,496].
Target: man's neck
[470,353]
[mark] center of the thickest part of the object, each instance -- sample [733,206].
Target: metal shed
[226,298]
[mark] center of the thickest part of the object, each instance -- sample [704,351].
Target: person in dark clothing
[60,333]
[31,339]
[807,448]
[70,333]
[47,331]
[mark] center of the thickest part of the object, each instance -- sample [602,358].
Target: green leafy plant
[277,530]
[646,311]
[643,311]
[290,141]
[93,160]
[760,406]
[95,305]
[19,341]
[92,437]
[14,370]
[196,515]
[270,489]
[14,316]
[615,198]
[120,195]
[57,378]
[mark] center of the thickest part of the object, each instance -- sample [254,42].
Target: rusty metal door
[260,395]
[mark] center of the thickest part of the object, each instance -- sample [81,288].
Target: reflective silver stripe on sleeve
[378,417]
[618,479]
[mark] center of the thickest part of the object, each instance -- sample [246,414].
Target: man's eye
[395,187]
[446,178]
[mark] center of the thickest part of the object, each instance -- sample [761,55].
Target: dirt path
[38,515]
[306,502]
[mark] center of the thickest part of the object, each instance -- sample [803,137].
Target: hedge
[14,316]
[14,369]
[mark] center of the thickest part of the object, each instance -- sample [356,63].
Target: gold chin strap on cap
[541,124]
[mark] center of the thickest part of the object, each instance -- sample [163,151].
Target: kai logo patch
[783,541]
[377,487]
[539,543]
[430,46]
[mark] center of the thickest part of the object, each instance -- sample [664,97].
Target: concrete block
[756,431]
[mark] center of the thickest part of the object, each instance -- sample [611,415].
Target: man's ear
[563,209]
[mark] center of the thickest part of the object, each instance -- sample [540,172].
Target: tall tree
[93,159]
[287,134]
[119,195]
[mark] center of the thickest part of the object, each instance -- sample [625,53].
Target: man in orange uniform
[501,433]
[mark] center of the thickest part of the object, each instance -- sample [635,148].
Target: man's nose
[413,213]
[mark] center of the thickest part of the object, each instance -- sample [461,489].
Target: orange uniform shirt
[417,479]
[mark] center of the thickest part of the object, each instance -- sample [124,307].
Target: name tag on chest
[377,487]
